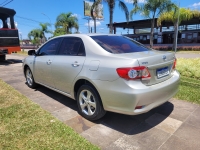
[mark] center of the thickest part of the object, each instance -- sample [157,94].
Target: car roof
[89,34]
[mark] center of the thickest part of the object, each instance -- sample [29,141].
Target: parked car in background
[104,73]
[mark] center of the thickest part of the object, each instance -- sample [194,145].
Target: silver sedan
[104,73]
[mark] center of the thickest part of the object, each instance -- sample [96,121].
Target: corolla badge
[164,57]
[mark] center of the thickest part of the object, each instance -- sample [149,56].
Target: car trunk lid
[159,64]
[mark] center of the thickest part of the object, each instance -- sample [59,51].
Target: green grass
[189,67]
[25,125]
[189,88]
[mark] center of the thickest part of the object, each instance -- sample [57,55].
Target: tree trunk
[95,27]
[175,36]
[152,31]
[111,21]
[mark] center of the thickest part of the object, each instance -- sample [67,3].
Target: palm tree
[44,29]
[67,21]
[152,9]
[111,6]
[35,36]
[177,16]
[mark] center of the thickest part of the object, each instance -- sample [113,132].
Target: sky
[29,13]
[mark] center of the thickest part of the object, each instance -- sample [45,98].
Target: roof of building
[141,24]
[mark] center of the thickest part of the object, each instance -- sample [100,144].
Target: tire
[89,103]
[29,78]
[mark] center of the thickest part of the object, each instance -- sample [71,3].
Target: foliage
[172,16]
[66,21]
[152,9]
[59,31]
[37,36]
[24,125]
[179,48]
[111,6]
[177,16]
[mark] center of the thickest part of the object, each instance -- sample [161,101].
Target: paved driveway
[174,125]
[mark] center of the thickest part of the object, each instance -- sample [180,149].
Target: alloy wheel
[87,102]
[29,77]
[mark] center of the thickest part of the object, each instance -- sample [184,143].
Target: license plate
[162,72]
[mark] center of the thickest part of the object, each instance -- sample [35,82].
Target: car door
[43,62]
[68,63]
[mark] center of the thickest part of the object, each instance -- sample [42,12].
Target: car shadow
[10,62]
[122,123]
[138,123]
[68,102]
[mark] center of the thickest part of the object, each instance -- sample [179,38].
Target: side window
[71,46]
[81,51]
[50,47]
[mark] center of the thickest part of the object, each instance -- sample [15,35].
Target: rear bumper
[123,96]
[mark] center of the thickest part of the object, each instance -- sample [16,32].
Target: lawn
[25,125]
[190,80]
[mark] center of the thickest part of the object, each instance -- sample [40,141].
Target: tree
[177,16]
[44,29]
[111,6]
[67,21]
[94,9]
[152,9]
[35,36]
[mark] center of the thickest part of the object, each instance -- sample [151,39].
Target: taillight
[174,65]
[134,73]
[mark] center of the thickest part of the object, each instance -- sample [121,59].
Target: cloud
[195,5]
[91,23]
[76,15]
[131,1]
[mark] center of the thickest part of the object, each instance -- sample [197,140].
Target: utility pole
[89,25]
[88,19]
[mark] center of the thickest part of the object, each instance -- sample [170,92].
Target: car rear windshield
[119,44]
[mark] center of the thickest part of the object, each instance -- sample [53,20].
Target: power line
[8,2]
[26,25]
[3,2]
[29,19]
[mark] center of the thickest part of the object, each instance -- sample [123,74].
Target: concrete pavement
[174,125]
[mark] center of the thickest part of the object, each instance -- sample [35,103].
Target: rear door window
[72,46]
[119,44]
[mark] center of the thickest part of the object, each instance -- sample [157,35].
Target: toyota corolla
[104,73]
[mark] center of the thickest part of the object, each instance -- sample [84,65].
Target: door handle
[75,64]
[49,62]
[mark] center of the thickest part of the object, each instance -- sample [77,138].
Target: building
[189,31]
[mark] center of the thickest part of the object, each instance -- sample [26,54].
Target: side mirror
[31,52]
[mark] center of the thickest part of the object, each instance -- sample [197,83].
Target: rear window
[119,44]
